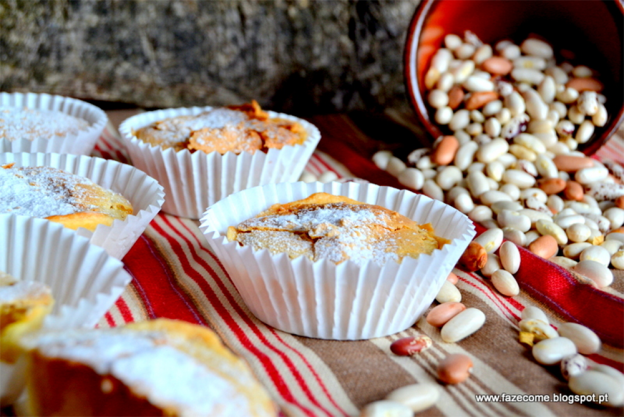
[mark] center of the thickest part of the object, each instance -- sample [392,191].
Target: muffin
[159,367]
[324,226]
[59,196]
[388,255]
[82,279]
[202,155]
[44,123]
[106,201]
[23,306]
[245,128]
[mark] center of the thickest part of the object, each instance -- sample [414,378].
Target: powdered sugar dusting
[342,231]
[150,366]
[21,290]
[30,124]
[40,191]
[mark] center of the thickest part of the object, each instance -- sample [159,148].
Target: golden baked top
[324,226]
[245,128]
[181,368]
[23,306]
[30,124]
[59,196]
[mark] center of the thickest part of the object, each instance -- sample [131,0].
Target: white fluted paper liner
[84,280]
[144,192]
[194,181]
[80,143]
[346,301]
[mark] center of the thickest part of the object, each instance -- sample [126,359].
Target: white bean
[527,75]
[452,41]
[441,60]
[445,83]
[530,142]
[462,325]
[535,106]
[558,75]
[499,206]
[537,47]
[510,51]
[330,176]
[514,235]
[438,99]
[381,159]
[573,250]
[587,103]
[598,273]
[463,71]
[394,168]
[507,160]
[530,237]
[412,178]
[448,177]
[536,193]
[492,127]
[495,170]
[599,384]
[611,246]
[518,178]
[567,96]
[573,366]
[477,183]
[596,253]
[384,408]
[460,120]
[546,89]
[540,329]
[464,203]
[417,397]
[510,256]
[554,203]
[465,51]
[589,175]
[491,108]
[582,71]
[491,265]
[480,213]
[578,232]
[552,229]
[518,221]
[511,190]
[584,132]
[443,115]
[586,341]
[531,312]
[617,259]
[505,283]
[490,240]
[433,190]
[515,103]
[476,84]
[599,119]
[490,197]
[552,351]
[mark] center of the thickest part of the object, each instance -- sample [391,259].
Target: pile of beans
[517,118]
[566,347]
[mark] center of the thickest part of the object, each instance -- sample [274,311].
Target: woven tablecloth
[176,275]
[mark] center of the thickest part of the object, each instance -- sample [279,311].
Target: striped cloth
[175,275]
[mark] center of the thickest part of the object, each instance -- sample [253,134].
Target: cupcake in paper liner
[341,299]
[202,154]
[56,272]
[32,122]
[121,205]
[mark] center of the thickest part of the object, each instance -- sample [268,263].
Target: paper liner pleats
[193,181]
[79,143]
[144,192]
[320,299]
[84,280]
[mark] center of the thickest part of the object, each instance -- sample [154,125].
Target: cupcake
[369,274]
[157,367]
[202,154]
[51,262]
[43,123]
[119,205]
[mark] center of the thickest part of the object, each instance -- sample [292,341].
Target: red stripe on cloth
[606,361]
[156,285]
[279,338]
[109,318]
[491,295]
[117,155]
[126,314]
[314,165]
[326,165]
[269,366]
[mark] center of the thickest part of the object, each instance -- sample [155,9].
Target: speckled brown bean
[480,99]
[473,258]
[552,185]
[439,315]
[619,202]
[497,65]
[585,84]
[574,191]
[452,278]
[456,96]
[544,246]
[455,368]
[410,345]
[445,152]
